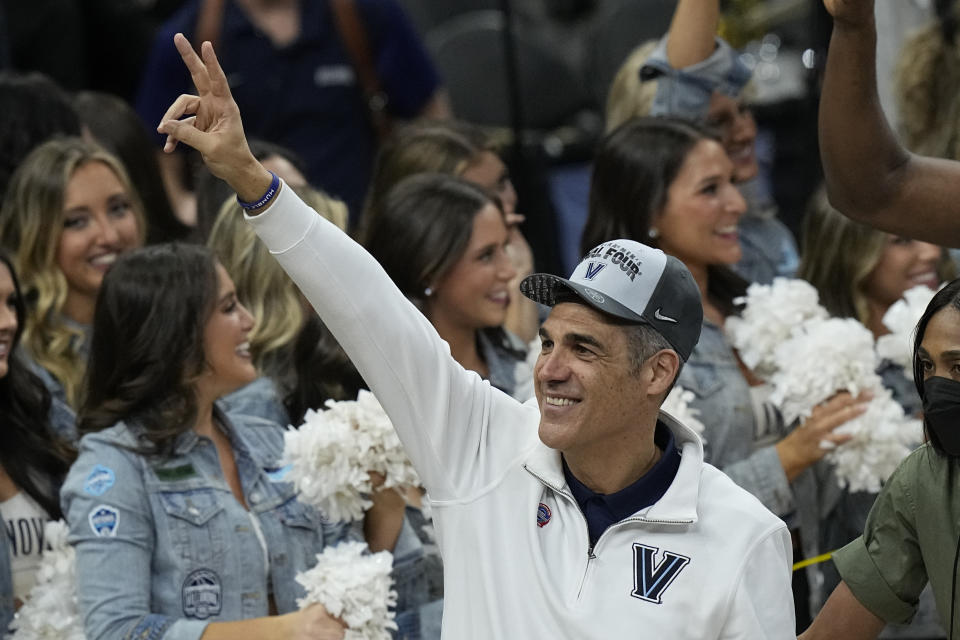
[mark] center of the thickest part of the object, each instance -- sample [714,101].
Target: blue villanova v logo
[651,579]
[594,269]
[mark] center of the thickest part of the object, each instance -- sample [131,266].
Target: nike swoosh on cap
[660,316]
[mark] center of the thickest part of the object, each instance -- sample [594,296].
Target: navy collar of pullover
[603,510]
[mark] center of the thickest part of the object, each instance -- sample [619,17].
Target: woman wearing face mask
[182,525]
[693,74]
[33,458]
[669,184]
[67,215]
[912,533]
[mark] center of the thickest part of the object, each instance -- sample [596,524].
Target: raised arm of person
[691,63]
[693,30]
[459,432]
[870,177]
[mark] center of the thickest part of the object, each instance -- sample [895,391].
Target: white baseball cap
[634,282]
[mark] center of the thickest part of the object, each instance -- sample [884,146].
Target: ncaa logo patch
[202,594]
[99,481]
[543,515]
[104,521]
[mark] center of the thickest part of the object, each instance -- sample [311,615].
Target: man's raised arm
[870,176]
[449,420]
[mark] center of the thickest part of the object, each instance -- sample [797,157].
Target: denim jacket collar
[189,439]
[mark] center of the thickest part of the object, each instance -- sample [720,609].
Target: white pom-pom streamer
[678,405]
[787,338]
[355,587]
[880,440]
[771,314]
[822,358]
[50,612]
[901,319]
[333,451]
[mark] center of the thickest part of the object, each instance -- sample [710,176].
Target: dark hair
[424,228]
[34,110]
[947,16]
[322,371]
[429,146]
[34,457]
[634,168]
[949,296]
[147,346]
[118,128]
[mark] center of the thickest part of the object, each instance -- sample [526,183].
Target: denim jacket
[685,93]
[261,399]
[418,578]
[769,248]
[164,548]
[732,439]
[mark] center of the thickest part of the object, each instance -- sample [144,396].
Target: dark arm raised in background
[870,176]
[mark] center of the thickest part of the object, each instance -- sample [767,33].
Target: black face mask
[941,411]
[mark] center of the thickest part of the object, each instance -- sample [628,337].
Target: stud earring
[653,233]
[427,292]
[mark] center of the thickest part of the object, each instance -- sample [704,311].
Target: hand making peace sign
[213,125]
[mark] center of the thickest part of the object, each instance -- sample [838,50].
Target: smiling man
[585,514]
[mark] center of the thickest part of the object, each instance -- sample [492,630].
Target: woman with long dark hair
[182,524]
[443,240]
[33,458]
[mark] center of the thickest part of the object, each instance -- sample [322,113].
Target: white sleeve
[762,604]
[460,433]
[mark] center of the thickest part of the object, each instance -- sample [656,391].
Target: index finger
[198,71]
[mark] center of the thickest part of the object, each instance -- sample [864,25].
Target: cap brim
[543,288]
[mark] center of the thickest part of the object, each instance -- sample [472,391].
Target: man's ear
[662,370]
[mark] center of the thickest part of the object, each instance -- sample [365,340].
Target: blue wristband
[267,197]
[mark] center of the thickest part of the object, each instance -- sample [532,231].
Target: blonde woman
[68,213]
[860,271]
[301,365]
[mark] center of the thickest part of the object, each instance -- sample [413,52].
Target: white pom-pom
[50,612]
[822,358]
[355,587]
[901,319]
[881,436]
[786,337]
[771,314]
[678,405]
[334,450]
